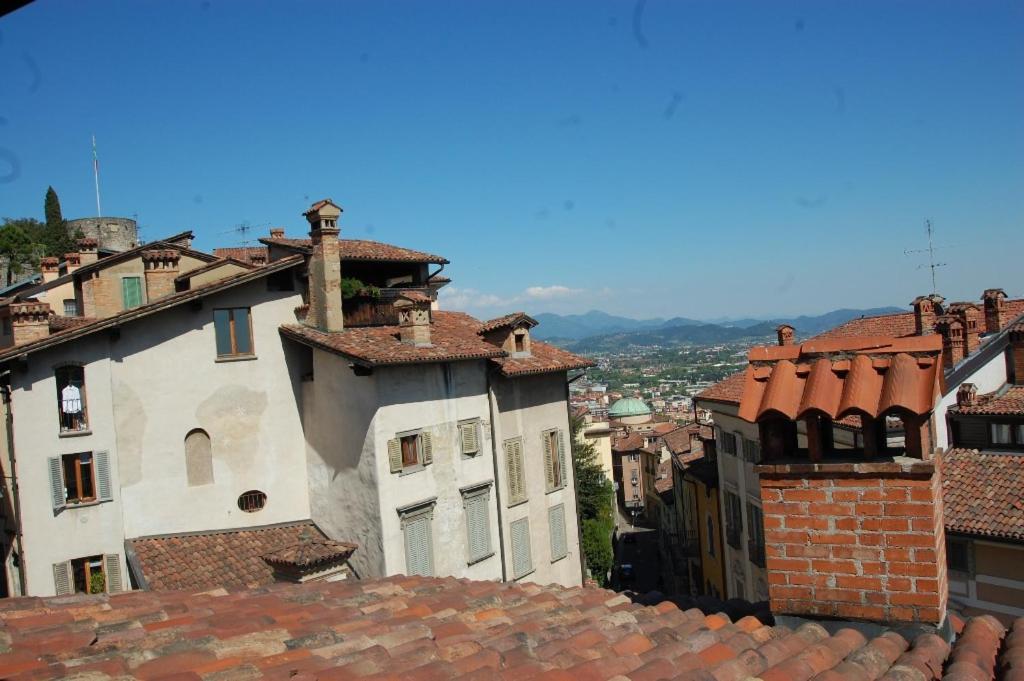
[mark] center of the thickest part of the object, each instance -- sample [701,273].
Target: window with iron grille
[252,501]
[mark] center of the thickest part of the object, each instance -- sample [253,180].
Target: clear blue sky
[645,158]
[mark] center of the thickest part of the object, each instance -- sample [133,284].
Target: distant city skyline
[646,159]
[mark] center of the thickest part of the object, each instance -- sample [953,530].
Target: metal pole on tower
[96,176]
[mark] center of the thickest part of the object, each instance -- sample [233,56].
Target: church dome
[627,407]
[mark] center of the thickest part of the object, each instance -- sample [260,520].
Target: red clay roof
[361,249]
[543,358]
[867,376]
[981,493]
[728,391]
[243,253]
[431,629]
[630,442]
[232,559]
[507,320]
[664,482]
[1008,402]
[894,325]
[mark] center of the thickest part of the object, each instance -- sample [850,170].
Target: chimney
[926,309]
[50,267]
[966,395]
[258,259]
[277,232]
[72,261]
[87,252]
[1016,348]
[953,343]
[996,315]
[30,321]
[414,318]
[785,334]
[161,268]
[970,322]
[324,267]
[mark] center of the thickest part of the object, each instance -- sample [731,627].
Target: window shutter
[561,458]
[477,527]
[131,292]
[418,551]
[522,561]
[395,455]
[62,578]
[103,489]
[514,465]
[428,448]
[112,566]
[556,520]
[470,441]
[57,484]
[549,461]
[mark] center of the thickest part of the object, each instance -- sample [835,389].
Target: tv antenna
[931,264]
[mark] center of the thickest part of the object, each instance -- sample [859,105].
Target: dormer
[511,333]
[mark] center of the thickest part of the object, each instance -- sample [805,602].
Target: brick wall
[856,540]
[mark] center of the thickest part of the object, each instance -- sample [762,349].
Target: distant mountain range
[595,329]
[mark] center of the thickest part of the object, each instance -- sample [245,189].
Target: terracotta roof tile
[507,320]
[729,390]
[430,628]
[59,323]
[227,558]
[628,443]
[664,482]
[981,493]
[1004,402]
[543,358]
[895,325]
[361,249]
[243,253]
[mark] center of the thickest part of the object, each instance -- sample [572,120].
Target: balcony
[375,310]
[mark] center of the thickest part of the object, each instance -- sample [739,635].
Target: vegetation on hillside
[24,241]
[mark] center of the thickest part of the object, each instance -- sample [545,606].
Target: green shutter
[522,561]
[131,292]
[556,523]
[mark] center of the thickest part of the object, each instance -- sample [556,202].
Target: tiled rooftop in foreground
[428,628]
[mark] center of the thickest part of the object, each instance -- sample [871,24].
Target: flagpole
[96,176]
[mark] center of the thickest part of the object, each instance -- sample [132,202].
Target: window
[79,478]
[476,502]
[520,342]
[711,535]
[469,437]
[71,399]
[252,501]
[70,307]
[958,555]
[733,519]
[522,559]
[556,524]
[554,459]
[515,470]
[131,292]
[198,458]
[751,451]
[419,542]
[1002,433]
[755,528]
[233,329]
[89,575]
[410,451]
[728,441]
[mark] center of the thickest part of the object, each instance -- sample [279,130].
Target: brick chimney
[161,268]
[414,318]
[258,259]
[1016,348]
[324,267]
[996,314]
[926,309]
[966,395]
[954,345]
[50,268]
[72,261]
[87,250]
[971,321]
[277,232]
[30,321]
[785,334]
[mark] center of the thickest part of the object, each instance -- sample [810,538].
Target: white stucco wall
[989,377]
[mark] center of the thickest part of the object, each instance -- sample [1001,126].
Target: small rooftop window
[252,501]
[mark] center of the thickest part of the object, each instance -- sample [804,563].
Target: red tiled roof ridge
[1007,401]
[506,320]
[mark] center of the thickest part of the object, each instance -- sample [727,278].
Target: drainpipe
[497,480]
[5,393]
[576,487]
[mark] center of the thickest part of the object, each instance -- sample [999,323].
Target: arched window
[198,458]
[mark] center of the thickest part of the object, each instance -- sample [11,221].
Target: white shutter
[112,568]
[478,527]
[556,521]
[561,458]
[57,495]
[514,469]
[522,561]
[470,440]
[395,455]
[427,451]
[419,559]
[549,461]
[62,578]
[103,488]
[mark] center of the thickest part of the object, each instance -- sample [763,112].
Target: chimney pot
[87,250]
[996,314]
[414,318]
[30,321]
[50,268]
[72,261]
[277,232]
[966,395]
[785,334]
[926,309]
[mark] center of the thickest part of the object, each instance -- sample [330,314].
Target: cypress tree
[56,240]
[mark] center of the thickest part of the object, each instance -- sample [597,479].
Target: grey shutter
[522,561]
[470,440]
[514,469]
[477,527]
[419,559]
[428,448]
[561,458]
[549,461]
[103,488]
[112,568]
[62,578]
[556,520]
[57,494]
[395,455]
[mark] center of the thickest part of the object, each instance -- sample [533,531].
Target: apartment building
[195,402]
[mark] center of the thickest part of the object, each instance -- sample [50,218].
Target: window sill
[513,504]
[74,433]
[555,560]
[71,505]
[410,470]
[555,489]
[236,358]
[516,578]
[481,559]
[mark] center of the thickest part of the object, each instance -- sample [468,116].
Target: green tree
[18,248]
[595,500]
[55,237]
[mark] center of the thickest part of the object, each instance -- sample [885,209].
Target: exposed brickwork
[161,270]
[324,268]
[856,540]
[997,315]
[30,321]
[1017,352]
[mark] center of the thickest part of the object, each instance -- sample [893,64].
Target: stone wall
[118,234]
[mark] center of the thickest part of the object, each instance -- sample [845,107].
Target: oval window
[252,501]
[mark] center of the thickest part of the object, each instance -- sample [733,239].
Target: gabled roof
[212,265]
[512,319]
[981,493]
[79,331]
[361,250]
[243,253]
[630,443]
[543,359]
[727,391]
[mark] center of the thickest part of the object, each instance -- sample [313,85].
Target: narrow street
[636,547]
